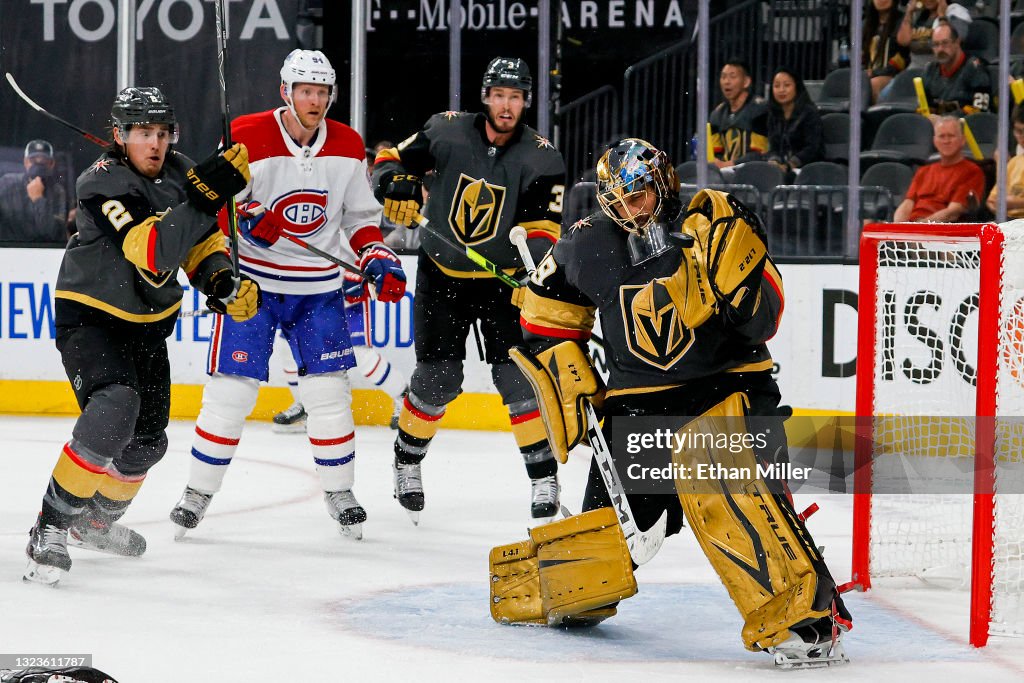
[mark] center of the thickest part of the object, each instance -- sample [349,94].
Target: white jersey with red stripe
[323,193]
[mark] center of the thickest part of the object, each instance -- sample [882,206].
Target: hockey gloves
[222,296]
[259,225]
[403,197]
[353,288]
[382,266]
[220,176]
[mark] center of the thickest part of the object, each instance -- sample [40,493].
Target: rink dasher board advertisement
[814,350]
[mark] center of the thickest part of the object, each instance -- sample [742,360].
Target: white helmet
[308,66]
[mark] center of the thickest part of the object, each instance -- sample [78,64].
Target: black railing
[584,125]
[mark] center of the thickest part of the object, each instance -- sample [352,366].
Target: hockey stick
[222,56]
[472,254]
[28,100]
[313,250]
[643,545]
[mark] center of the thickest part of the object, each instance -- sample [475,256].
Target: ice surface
[266,589]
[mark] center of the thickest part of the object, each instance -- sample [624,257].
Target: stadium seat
[835,129]
[687,172]
[901,96]
[985,127]
[763,175]
[581,202]
[823,173]
[906,138]
[982,39]
[835,92]
[882,189]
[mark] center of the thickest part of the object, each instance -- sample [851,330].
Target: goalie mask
[143,106]
[639,190]
[307,66]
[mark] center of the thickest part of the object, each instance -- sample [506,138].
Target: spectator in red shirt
[944,191]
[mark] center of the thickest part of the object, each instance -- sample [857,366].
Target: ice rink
[266,589]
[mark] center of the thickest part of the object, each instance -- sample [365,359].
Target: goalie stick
[643,545]
[28,100]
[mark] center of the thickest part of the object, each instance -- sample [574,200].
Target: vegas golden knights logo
[654,329]
[476,209]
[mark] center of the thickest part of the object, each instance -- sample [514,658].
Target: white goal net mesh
[923,449]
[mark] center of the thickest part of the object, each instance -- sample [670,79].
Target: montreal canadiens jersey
[322,192]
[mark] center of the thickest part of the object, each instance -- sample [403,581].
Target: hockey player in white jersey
[309,180]
[374,366]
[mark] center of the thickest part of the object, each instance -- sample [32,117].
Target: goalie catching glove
[728,255]
[222,296]
[562,378]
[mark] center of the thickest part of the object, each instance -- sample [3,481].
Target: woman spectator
[794,124]
[1014,173]
[883,57]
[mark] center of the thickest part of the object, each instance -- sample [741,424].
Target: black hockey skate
[343,508]
[93,532]
[544,492]
[291,420]
[409,489]
[47,552]
[189,511]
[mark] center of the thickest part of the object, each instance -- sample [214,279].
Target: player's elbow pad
[562,378]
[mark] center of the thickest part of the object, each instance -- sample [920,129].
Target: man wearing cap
[33,204]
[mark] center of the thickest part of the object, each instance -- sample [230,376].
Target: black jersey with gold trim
[134,232]
[481,190]
[646,344]
[740,135]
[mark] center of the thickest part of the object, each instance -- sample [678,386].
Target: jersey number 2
[116,213]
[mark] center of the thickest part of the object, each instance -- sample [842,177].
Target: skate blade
[800,660]
[353,531]
[296,428]
[179,532]
[414,515]
[42,574]
[106,550]
[541,521]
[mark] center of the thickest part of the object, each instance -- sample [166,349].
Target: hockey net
[940,400]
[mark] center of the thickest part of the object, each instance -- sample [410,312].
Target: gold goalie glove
[562,377]
[722,270]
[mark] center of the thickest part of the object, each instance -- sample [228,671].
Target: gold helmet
[627,170]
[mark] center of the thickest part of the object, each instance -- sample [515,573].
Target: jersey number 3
[116,213]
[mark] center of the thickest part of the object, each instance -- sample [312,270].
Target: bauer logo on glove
[384,269]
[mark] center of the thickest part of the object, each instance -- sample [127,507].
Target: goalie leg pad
[569,573]
[764,558]
[562,378]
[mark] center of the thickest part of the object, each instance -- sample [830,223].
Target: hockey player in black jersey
[492,173]
[144,211]
[686,306]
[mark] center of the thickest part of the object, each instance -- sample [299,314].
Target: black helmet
[135,106]
[508,72]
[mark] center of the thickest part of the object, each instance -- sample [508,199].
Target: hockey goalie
[687,301]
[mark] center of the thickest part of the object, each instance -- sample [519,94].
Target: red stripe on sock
[420,414]
[332,442]
[525,417]
[223,440]
[82,462]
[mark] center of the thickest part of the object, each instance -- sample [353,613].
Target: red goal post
[926,407]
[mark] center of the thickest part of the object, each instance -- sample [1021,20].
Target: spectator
[917,27]
[944,191]
[955,82]
[883,57]
[1014,173]
[738,125]
[33,205]
[794,126]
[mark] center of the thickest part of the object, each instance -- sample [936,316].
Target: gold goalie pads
[754,544]
[562,378]
[569,572]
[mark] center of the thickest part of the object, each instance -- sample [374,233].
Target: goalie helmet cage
[932,387]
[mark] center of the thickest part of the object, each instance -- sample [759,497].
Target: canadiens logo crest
[239,356]
[654,329]
[305,211]
[476,209]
